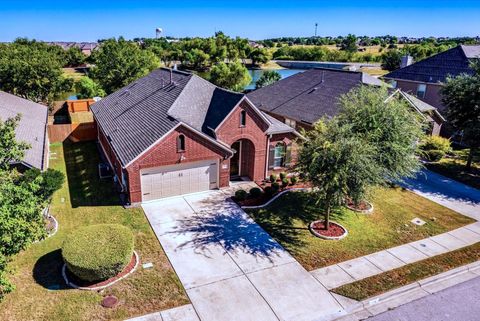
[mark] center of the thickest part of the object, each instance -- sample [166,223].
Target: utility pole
[316,25]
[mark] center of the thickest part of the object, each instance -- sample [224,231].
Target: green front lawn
[84,200]
[454,168]
[389,225]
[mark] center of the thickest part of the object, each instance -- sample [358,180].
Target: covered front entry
[243,161]
[172,180]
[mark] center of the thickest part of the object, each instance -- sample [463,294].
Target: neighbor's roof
[437,68]
[310,95]
[136,116]
[32,126]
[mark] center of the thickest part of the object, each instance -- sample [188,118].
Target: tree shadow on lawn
[226,224]
[47,271]
[287,219]
[85,186]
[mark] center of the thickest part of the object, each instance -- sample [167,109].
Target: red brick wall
[231,131]
[433,95]
[165,152]
[110,154]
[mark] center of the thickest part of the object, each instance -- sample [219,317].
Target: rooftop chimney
[171,75]
[407,60]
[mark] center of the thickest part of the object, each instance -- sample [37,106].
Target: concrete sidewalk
[360,268]
[230,267]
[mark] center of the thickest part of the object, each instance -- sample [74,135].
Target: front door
[235,160]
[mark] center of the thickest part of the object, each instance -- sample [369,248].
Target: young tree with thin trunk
[461,95]
[371,142]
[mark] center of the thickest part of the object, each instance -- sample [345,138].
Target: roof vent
[313,89]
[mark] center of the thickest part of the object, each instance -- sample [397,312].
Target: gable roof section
[31,128]
[203,105]
[141,113]
[310,95]
[437,68]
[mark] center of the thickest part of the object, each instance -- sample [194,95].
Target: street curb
[413,291]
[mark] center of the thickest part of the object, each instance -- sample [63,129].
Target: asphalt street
[458,303]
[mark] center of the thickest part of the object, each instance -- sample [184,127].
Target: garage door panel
[170,181]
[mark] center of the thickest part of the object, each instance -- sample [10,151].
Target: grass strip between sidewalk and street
[378,284]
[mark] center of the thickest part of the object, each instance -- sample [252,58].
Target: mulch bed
[362,206]
[84,284]
[334,229]
[264,198]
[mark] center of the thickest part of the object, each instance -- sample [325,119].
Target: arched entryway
[242,163]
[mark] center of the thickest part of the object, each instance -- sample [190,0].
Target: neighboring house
[172,133]
[31,129]
[86,47]
[425,78]
[302,99]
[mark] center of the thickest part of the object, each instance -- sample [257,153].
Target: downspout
[268,154]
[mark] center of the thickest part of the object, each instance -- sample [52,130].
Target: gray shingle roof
[310,95]
[437,68]
[136,116]
[32,126]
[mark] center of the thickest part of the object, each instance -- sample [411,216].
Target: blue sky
[91,20]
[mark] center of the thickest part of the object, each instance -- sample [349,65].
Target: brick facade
[230,131]
[197,148]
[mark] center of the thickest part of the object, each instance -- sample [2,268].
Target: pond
[257,73]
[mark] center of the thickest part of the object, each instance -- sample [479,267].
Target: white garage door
[180,179]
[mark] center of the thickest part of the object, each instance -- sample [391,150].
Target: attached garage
[172,180]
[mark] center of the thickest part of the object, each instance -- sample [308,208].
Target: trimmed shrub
[240,195]
[98,252]
[273,178]
[284,182]
[268,191]
[283,175]
[275,187]
[255,192]
[293,180]
[436,143]
[434,155]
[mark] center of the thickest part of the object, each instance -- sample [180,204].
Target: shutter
[288,155]
[271,157]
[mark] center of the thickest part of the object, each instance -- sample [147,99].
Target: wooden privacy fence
[74,132]
[80,105]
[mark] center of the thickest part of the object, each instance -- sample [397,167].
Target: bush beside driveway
[41,293]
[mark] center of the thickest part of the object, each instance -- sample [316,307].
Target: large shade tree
[120,62]
[22,198]
[338,164]
[371,142]
[33,70]
[232,76]
[461,95]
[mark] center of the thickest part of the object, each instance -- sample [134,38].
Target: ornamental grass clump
[98,252]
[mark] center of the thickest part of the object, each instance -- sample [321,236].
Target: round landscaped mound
[98,252]
[363,207]
[335,231]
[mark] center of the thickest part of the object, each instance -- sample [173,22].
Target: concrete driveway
[230,267]
[447,192]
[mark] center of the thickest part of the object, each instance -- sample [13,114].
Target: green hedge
[98,252]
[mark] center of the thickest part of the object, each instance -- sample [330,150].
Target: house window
[421,89]
[243,118]
[279,155]
[290,122]
[180,143]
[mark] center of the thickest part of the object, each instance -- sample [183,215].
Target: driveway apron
[230,267]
